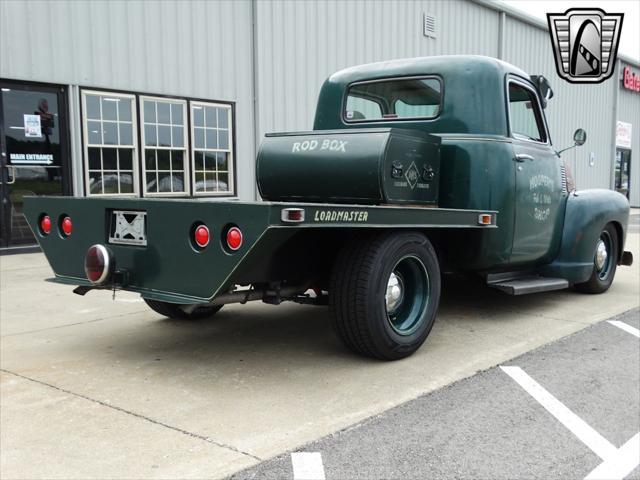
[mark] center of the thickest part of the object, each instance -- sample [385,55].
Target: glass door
[34,153]
[623,171]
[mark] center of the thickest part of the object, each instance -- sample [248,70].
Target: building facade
[171,98]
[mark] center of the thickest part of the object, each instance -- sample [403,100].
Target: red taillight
[292,215]
[97,264]
[485,219]
[201,236]
[234,238]
[67,226]
[45,224]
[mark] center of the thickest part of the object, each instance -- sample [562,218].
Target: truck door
[539,194]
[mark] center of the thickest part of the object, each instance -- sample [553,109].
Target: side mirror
[579,137]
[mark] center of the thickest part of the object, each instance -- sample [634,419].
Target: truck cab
[496,151]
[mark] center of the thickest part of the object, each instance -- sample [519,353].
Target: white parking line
[617,463]
[621,464]
[625,326]
[307,466]
[581,429]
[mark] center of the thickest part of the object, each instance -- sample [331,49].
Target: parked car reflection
[165,183]
[211,186]
[111,183]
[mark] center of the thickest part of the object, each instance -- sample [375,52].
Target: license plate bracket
[128,227]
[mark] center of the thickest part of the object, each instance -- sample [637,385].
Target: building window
[164,139]
[186,146]
[109,143]
[212,153]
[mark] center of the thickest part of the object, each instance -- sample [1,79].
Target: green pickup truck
[414,168]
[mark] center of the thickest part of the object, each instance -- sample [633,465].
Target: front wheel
[182,312]
[605,259]
[384,294]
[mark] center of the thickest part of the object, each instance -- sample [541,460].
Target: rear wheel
[182,312]
[604,262]
[384,294]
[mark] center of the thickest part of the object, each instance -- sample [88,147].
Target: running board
[525,285]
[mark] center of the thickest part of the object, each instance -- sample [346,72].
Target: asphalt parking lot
[490,426]
[96,388]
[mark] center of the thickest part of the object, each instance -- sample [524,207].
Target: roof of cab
[473,88]
[440,65]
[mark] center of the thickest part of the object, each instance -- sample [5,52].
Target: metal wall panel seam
[255,105]
[616,98]
[75,153]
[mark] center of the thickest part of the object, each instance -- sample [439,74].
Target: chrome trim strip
[477,138]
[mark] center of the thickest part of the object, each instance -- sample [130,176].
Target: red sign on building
[630,80]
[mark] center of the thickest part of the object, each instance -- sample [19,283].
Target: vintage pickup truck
[414,167]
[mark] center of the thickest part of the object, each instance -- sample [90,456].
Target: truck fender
[586,214]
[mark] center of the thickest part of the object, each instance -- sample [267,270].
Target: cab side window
[524,114]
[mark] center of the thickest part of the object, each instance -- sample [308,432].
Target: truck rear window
[394,99]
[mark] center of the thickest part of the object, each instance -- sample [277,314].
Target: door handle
[521,157]
[11,175]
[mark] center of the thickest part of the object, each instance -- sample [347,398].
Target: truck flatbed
[169,267]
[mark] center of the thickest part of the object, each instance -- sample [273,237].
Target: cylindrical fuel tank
[366,166]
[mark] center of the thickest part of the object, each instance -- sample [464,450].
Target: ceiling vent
[429,25]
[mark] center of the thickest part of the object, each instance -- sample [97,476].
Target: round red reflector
[67,226]
[97,264]
[202,236]
[234,238]
[45,224]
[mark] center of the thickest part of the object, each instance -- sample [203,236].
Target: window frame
[343,114]
[541,120]
[231,148]
[85,142]
[185,140]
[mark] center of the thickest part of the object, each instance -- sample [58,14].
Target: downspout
[616,99]
[501,26]
[254,93]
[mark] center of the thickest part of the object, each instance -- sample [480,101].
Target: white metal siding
[299,44]
[190,48]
